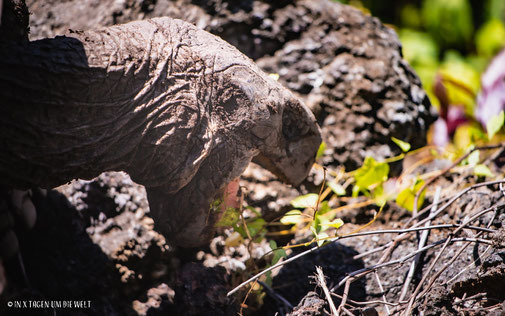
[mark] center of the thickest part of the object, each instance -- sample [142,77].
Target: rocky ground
[94,240]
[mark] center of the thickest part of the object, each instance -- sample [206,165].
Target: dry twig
[422,242]
[322,283]
[415,224]
[444,171]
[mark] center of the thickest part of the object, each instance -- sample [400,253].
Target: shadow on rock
[62,264]
[296,280]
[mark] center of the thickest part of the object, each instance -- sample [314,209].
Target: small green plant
[404,146]
[495,124]
[370,176]
[278,254]
[406,198]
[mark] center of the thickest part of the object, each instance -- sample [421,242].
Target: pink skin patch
[230,198]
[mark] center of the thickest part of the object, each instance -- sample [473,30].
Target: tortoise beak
[297,143]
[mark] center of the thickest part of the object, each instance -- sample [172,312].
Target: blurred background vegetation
[449,43]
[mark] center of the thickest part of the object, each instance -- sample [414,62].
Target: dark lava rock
[201,290]
[310,305]
[476,292]
[61,263]
[349,68]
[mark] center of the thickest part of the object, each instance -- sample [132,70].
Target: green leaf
[337,188]
[272,244]
[494,9]
[449,21]
[461,80]
[274,76]
[292,217]
[278,253]
[407,197]
[482,171]
[319,235]
[215,205]
[305,201]
[404,146]
[494,124]
[474,158]
[371,173]
[253,210]
[419,48]
[321,213]
[320,151]
[234,240]
[490,38]
[468,135]
[256,228]
[323,208]
[323,219]
[355,191]
[230,217]
[313,229]
[410,16]
[315,226]
[337,223]
[320,238]
[380,196]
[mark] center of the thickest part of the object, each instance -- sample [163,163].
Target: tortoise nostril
[293,129]
[289,129]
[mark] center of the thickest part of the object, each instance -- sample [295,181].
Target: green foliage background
[453,38]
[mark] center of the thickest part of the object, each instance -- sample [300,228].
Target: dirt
[94,240]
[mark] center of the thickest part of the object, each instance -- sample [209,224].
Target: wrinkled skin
[180,110]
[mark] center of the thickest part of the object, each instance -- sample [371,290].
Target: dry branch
[322,283]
